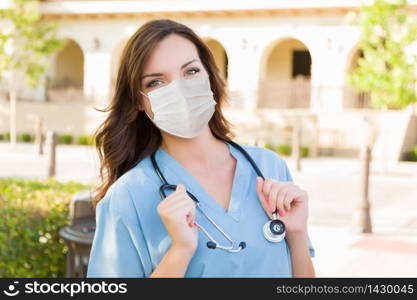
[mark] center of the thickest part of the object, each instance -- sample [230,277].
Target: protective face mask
[183,107]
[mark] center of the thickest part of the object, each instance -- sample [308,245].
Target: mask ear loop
[144,109]
[143,94]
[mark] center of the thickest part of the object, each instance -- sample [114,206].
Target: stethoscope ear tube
[173,187]
[274,230]
[247,156]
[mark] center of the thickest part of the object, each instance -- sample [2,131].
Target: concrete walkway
[333,185]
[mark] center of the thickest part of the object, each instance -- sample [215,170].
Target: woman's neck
[204,150]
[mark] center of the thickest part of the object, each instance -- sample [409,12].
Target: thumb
[180,187]
[259,187]
[262,200]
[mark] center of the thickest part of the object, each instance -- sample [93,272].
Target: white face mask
[183,107]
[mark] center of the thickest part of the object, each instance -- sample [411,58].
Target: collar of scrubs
[176,173]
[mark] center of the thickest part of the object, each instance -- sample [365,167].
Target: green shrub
[412,154]
[269,146]
[284,150]
[65,139]
[6,136]
[32,212]
[304,151]
[85,140]
[25,137]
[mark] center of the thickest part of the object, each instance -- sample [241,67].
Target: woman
[168,100]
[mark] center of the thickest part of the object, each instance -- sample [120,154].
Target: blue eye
[193,71]
[152,83]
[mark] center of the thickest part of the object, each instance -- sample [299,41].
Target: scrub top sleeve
[113,253]
[288,177]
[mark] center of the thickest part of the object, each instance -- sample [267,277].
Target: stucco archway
[285,76]
[220,56]
[66,82]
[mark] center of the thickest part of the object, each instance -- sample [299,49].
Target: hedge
[85,140]
[286,150]
[65,139]
[25,137]
[32,212]
[411,155]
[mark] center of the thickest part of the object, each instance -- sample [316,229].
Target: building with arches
[285,62]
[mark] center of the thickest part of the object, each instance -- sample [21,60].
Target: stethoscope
[274,230]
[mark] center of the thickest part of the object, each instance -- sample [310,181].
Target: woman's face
[173,58]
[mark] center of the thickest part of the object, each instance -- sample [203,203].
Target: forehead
[170,53]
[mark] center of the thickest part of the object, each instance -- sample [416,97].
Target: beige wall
[75,118]
[344,132]
[325,133]
[338,134]
[115,63]
[410,136]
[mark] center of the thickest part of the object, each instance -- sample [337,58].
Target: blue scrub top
[130,238]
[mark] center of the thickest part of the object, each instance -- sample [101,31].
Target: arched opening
[353,99]
[67,78]
[285,78]
[220,56]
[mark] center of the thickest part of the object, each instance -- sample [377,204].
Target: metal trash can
[79,234]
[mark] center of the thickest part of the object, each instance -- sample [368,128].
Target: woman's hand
[290,201]
[177,212]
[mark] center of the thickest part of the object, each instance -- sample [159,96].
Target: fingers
[287,201]
[276,196]
[178,205]
[259,187]
[267,187]
[290,195]
[180,187]
[280,200]
[295,195]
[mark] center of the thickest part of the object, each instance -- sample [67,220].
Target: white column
[243,74]
[97,77]
[327,75]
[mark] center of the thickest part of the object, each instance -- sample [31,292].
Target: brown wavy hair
[127,135]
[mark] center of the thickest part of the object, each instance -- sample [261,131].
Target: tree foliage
[386,68]
[26,41]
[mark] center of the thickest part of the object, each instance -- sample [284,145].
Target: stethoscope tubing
[212,242]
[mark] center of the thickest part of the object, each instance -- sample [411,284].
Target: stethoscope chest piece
[274,230]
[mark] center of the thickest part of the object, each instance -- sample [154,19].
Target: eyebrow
[160,74]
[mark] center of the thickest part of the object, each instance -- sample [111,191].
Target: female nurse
[168,101]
